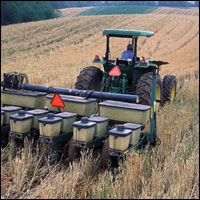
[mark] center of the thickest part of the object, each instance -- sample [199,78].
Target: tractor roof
[126,33]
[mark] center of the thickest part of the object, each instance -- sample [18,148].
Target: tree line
[26,11]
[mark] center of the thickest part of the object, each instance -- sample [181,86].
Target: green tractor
[128,76]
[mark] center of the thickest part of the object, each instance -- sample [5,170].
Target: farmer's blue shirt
[127,54]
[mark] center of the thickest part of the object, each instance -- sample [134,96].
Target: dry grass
[53,52]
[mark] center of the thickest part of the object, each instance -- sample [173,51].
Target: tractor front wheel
[169,87]
[89,79]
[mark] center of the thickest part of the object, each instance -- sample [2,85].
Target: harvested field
[71,12]
[177,11]
[62,47]
[53,52]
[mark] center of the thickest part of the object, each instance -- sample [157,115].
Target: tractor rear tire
[89,79]
[169,88]
[144,87]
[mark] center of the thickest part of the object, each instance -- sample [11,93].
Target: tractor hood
[126,33]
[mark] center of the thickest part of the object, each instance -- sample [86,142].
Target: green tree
[26,11]
[10,13]
[196,3]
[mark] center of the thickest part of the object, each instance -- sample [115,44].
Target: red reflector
[57,101]
[115,71]
[96,57]
[143,60]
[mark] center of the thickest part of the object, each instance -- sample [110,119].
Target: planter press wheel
[12,146]
[65,157]
[105,159]
[73,152]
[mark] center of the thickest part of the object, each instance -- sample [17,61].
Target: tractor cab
[121,33]
[129,73]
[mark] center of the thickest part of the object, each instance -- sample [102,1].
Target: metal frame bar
[135,48]
[153,110]
[94,143]
[63,137]
[83,93]
[107,49]
[20,136]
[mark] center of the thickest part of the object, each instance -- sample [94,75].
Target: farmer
[128,54]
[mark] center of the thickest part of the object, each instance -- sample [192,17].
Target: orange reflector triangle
[115,71]
[57,101]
